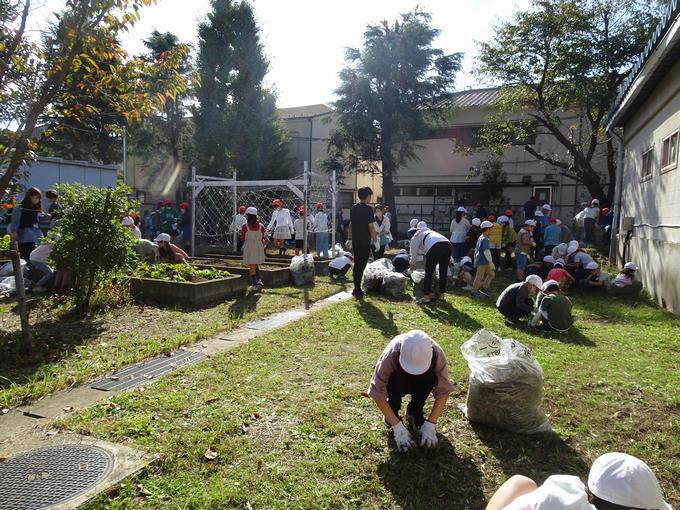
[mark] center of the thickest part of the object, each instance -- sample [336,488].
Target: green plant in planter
[178,272]
[4,242]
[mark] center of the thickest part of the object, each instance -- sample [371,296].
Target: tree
[566,56]
[90,227]
[37,80]
[236,124]
[388,97]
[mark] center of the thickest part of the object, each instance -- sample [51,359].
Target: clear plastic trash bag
[302,270]
[374,274]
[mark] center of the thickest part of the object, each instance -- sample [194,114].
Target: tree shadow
[374,317]
[444,311]
[534,455]
[53,339]
[244,304]
[436,478]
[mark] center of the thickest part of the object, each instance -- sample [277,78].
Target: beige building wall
[654,201]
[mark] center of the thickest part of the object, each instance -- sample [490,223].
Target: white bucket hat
[631,266]
[571,249]
[546,207]
[562,248]
[503,219]
[534,279]
[251,210]
[476,222]
[591,265]
[415,356]
[486,224]
[413,223]
[539,213]
[465,260]
[625,480]
[549,259]
[547,285]
[462,209]
[162,237]
[127,222]
[530,223]
[421,225]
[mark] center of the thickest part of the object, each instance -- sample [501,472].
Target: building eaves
[649,65]
[304,112]
[474,98]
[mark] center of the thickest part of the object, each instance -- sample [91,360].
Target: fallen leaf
[364,394]
[52,432]
[210,453]
[245,427]
[67,409]
[143,490]
[256,416]
[212,400]
[260,465]
[167,354]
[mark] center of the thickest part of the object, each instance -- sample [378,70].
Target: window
[646,166]
[409,191]
[444,191]
[543,194]
[427,191]
[669,152]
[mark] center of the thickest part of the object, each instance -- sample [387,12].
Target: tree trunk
[26,344]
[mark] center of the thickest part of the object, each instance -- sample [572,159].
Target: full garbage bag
[506,384]
[8,286]
[302,270]
[7,269]
[374,273]
[418,278]
[394,284]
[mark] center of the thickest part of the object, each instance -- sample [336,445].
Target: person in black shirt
[363,235]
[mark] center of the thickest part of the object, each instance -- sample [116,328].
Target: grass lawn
[285,415]
[71,350]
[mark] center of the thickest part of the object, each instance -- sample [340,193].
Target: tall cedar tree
[236,123]
[566,56]
[387,98]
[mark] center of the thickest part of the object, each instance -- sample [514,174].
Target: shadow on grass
[374,317]
[53,339]
[243,304]
[436,478]
[444,311]
[536,456]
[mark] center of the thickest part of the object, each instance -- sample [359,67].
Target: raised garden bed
[184,285]
[272,275]
[320,265]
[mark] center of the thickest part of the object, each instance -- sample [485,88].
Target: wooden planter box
[320,265]
[278,277]
[187,293]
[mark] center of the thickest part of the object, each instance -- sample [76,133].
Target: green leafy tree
[93,243]
[236,123]
[388,97]
[39,80]
[560,58]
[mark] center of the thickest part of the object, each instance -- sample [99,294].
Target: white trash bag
[8,286]
[8,269]
[302,270]
[418,278]
[505,384]
[394,284]
[337,250]
[374,274]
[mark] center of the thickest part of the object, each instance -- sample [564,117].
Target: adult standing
[437,251]
[411,364]
[459,229]
[592,215]
[530,208]
[382,230]
[25,223]
[363,235]
[321,231]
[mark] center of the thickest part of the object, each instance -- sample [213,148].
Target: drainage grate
[47,476]
[276,320]
[143,372]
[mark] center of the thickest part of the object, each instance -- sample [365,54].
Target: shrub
[93,243]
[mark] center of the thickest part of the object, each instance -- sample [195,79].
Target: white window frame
[550,194]
[648,176]
[674,163]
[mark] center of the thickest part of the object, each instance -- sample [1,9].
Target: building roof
[661,52]
[304,112]
[471,98]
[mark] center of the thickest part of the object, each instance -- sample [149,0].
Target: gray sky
[305,39]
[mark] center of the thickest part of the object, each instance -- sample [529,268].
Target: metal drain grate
[55,474]
[143,372]
[276,320]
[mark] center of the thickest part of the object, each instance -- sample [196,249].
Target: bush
[4,242]
[93,243]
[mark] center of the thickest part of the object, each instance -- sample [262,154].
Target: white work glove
[428,435]
[348,245]
[402,438]
[376,245]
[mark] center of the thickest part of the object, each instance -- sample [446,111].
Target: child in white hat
[411,364]
[617,481]
[625,283]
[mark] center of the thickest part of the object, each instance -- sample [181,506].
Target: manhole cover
[46,476]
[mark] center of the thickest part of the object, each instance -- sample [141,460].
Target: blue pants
[47,272]
[321,240]
[459,250]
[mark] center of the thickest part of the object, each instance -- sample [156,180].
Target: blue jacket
[28,233]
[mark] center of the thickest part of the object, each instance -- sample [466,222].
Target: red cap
[301,210]
[552,219]
[508,212]
[605,210]
[242,209]
[167,201]
[277,202]
[491,218]
[185,205]
[318,205]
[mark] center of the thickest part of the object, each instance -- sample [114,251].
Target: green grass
[313,442]
[71,350]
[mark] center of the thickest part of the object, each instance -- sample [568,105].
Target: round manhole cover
[46,476]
